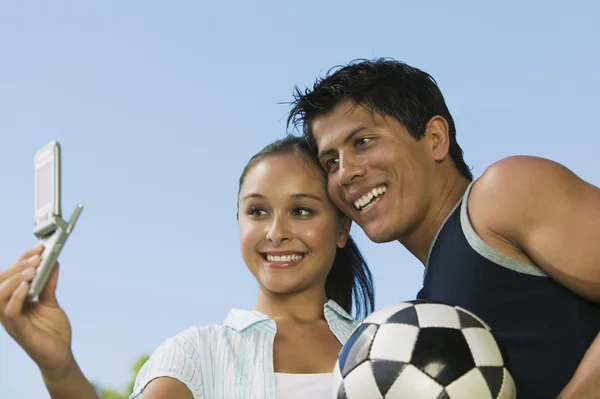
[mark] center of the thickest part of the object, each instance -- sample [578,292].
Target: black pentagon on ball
[342,392]
[386,372]
[494,377]
[468,321]
[442,353]
[356,350]
[405,316]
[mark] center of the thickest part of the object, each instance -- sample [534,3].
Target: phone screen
[45,185]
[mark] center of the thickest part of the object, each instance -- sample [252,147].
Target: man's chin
[378,234]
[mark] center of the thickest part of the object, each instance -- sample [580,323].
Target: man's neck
[420,240]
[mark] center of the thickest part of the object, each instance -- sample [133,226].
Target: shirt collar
[240,319]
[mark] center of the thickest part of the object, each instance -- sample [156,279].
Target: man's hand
[585,384]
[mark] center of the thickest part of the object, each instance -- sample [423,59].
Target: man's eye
[330,163]
[362,141]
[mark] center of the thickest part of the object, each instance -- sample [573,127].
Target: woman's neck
[306,306]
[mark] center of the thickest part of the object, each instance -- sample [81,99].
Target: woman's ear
[344,231]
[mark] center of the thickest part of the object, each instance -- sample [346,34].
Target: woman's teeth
[284,258]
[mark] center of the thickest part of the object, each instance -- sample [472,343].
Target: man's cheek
[335,196]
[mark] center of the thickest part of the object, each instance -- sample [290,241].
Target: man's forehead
[332,129]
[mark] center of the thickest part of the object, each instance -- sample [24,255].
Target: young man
[519,246]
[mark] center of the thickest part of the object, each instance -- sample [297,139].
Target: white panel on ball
[437,315]
[402,349]
[473,383]
[483,346]
[360,383]
[509,389]
[413,383]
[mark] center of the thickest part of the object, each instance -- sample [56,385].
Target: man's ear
[438,132]
[344,232]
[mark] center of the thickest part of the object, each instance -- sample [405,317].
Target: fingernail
[33,259]
[29,272]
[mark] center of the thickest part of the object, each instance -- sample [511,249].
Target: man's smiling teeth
[284,258]
[368,197]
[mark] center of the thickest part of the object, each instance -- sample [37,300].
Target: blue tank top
[542,328]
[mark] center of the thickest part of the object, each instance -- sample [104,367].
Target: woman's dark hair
[384,86]
[349,282]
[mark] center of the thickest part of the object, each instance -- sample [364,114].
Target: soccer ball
[422,350]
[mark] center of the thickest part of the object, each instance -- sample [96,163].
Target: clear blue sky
[158,106]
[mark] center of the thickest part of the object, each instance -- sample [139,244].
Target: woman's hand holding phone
[41,328]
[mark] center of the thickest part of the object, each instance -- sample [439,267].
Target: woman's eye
[302,212]
[256,212]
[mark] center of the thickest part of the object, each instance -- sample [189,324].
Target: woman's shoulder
[190,355]
[195,336]
[236,321]
[198,333]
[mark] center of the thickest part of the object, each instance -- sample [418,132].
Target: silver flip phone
[49,226]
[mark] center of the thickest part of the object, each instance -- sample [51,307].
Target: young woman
[310,275]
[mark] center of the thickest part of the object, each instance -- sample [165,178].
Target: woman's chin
[282,285]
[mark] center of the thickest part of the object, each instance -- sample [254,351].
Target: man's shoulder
[511,172]
[517,181]
[515,191]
